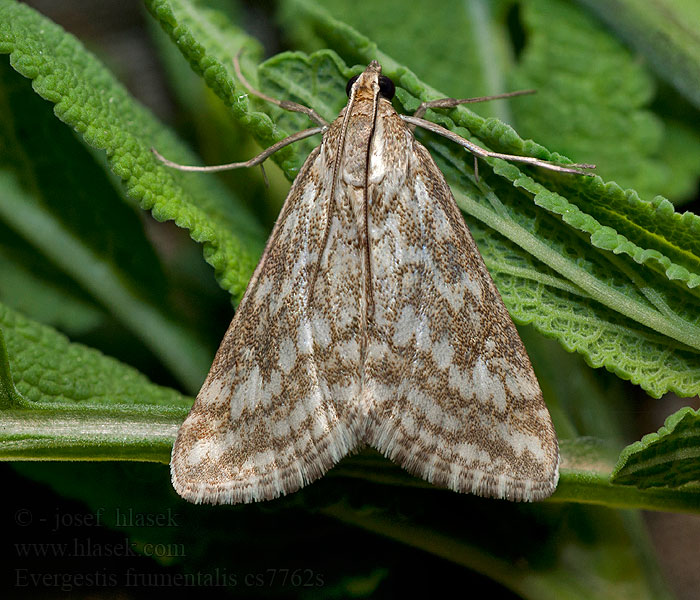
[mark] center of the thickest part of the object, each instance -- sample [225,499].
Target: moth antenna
[256,160]
[479,151]
[452,102]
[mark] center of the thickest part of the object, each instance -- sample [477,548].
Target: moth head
[370,83]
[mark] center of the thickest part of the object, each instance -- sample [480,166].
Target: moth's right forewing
[278,407]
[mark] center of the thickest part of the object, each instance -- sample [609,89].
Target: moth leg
[256,160]
[452,102]
[285,104]
[479,151]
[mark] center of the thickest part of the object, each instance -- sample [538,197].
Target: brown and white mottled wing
[279,406]
[455,399]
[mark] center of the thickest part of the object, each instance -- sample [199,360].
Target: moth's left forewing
[453,396]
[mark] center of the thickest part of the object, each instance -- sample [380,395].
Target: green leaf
[669,457]
[664,33]
[89,99]
[586,465]
[64,401]
[464,55]
[28,286]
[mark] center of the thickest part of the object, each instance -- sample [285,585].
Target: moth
[370,320]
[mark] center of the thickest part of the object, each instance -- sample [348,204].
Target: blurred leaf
[29,292]
[183,351]
[569,552]
[584,404]
[669,457]
[464,55]
[681,152]
[664,32]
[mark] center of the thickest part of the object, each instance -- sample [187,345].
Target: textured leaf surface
[63,220]
[209,41]
[669,457]
[90,100]
[48,368]
[61,401]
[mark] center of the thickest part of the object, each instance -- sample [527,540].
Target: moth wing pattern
[370,319]
[455,398]
[278,407]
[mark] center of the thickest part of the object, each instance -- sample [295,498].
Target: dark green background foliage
[110,312]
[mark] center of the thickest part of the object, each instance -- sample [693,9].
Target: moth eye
[348,87]
[386,87]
